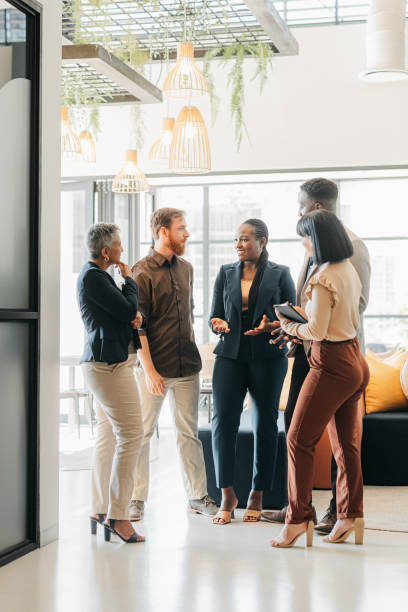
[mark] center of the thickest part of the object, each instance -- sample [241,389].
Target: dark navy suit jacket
[276,287]
[107,313]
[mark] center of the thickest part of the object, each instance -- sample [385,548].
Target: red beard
[178,248]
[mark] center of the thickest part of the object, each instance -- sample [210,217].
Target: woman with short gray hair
[111,319]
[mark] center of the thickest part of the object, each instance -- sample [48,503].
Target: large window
[375,209]
[307,12]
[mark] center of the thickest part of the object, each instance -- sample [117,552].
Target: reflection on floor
[187,564]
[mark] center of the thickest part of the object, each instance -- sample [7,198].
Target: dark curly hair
[322,190]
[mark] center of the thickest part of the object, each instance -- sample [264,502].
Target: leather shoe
[279,516]
[275,516]
[327,522]
[206,505]
[136,510]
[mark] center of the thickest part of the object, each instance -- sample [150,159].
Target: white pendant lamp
[385,42]
[190,148]
[130,179]
[185,80]
[160,151]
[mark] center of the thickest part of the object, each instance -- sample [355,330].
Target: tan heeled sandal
[358,529]
[225,516]
[309,538]
[252,516]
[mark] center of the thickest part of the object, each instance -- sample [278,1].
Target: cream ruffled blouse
[333,294]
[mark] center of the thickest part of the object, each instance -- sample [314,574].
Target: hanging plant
[236,54]
[195,20]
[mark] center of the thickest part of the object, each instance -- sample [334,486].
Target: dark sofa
[277,496]
[384,451]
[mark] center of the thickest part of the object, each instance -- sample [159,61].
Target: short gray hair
[100,235]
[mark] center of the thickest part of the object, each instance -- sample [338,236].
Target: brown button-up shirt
[166,301]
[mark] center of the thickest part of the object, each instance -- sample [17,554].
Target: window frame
[31,315]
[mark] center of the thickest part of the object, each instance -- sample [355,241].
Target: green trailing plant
[236,55]
[194,17]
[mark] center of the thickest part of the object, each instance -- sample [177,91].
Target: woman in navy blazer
[110,318]
[247,361]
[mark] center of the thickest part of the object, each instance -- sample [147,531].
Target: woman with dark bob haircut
[333,387]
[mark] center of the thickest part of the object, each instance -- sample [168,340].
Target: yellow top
[245,289]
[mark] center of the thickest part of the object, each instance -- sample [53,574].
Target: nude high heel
[358,529]
[223,517]
[309,530]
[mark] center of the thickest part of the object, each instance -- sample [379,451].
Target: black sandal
[95,521]
[110,528]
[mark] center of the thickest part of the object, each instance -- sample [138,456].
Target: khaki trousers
[184,395]
[329,396]
[119,435]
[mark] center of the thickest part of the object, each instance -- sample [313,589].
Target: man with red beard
[170,359]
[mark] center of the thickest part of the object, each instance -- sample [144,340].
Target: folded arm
[119,304]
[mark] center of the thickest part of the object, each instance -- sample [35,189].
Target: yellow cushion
[286,385]
[384,391]
[404,378]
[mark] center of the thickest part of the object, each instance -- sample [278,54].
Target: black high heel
[109,527]
[94,522]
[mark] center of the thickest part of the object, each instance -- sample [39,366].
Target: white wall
[314,113]
[50,255]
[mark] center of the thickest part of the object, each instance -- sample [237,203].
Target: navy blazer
[276,287]
[107,313]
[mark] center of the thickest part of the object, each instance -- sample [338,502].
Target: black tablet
[290,313]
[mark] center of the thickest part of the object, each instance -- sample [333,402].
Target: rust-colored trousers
[329,396]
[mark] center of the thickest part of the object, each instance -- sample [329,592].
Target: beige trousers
[119,435]
[184,395]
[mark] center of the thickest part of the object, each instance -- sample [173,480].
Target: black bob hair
[329,238]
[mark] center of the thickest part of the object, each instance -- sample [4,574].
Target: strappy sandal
[109,526]
[358,529]
[308,531]
[94,521]
[225,516]
[252,516]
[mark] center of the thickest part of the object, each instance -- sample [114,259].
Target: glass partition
[19,275]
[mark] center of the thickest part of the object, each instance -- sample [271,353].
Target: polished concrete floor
[187,564]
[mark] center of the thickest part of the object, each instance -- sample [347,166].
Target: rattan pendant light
[185,80]
[130,179]
[87,146]
[190,149]
[160,151]
[70,144]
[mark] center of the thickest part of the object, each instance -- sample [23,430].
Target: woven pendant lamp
[160,151]
[130,179]
[190,149]
[185,80]
[87,146]
[70,144]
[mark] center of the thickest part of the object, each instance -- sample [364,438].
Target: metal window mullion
[206,262]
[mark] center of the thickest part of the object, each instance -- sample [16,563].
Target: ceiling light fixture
[160,151]
[190,148]
[185,80]
[130,179]
[70,144]
[385,44]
